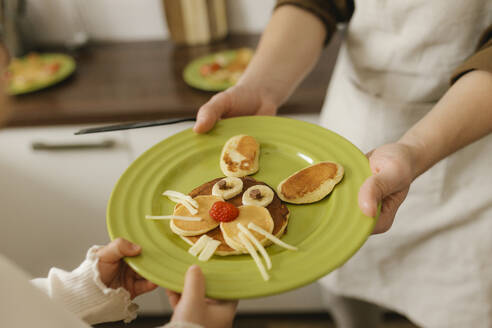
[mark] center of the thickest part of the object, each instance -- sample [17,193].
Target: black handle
[46,146]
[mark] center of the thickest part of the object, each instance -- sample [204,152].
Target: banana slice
[258,195]
[228,187]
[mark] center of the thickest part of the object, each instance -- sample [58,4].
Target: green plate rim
[300,282]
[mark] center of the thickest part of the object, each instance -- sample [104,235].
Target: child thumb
[194,286]
[118,249]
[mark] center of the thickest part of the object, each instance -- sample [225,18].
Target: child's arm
[102,287]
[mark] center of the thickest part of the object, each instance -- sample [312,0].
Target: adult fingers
[118,249]
[211,112]
[371,193]
[389,207]
[388,178]
[194,287]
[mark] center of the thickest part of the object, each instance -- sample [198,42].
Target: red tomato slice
[215,67]
[54,67]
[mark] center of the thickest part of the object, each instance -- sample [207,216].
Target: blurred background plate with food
[35,71]
[219,71]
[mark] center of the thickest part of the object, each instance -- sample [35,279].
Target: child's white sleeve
[83,293]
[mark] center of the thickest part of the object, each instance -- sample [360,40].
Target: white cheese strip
[188,206]
[257,244]
[177,194]
[252,252]
[274,239]
[199,245]
[173,217]
[209,250]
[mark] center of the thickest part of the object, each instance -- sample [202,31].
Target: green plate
[66,69]
[193,78]
[327,233]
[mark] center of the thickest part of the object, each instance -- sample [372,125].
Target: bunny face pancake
[237,214]
[277,210]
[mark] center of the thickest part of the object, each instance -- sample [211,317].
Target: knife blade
[134,125]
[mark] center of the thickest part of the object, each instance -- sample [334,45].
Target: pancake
[192,228]
[247,213]
[310,184]
[240,156]
[278,211]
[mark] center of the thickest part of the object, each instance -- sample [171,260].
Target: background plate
[327,233]
[192,76]
[66,69]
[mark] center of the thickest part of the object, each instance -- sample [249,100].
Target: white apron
[435,264]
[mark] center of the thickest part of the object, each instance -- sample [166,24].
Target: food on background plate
[310,184]
[223,69]
[240,156]
[34,71]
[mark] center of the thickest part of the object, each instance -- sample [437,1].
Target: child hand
[115,273]
[192,306]
[393,171]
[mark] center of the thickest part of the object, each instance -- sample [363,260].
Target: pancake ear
[311,183]
[240,156]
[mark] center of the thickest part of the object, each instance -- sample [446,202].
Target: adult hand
[393,170]
[238,100]
[192,306]
[115,273]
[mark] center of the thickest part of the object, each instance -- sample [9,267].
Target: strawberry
[223,211]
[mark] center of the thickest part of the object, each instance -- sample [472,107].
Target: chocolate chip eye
[255,194]
[222,185]
[258,195]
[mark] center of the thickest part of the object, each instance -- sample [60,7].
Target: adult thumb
[211,112]
[376,188]
[194,287]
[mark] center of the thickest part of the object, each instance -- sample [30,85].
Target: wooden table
[136,81]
